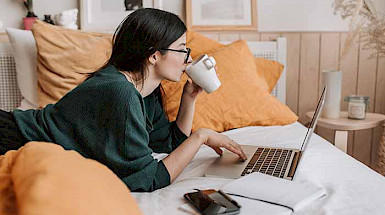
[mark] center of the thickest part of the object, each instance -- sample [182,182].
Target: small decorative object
[333,80]
[357,106]
[221,15]
[133,4]
[47,19]
[28,22]
[31,17]
[67,19]
[105,16]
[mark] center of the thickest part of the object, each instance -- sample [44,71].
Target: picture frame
[212,15]
[105,16]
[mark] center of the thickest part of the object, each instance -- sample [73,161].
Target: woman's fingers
[242,154]
[216,140]
[218,150]
[236,150]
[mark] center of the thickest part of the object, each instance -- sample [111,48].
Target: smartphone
[209,202]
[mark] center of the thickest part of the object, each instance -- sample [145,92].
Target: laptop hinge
[294,165]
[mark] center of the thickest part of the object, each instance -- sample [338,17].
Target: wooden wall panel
[309,69]
[376,134]
[379,103]
[366,80]
[269,36]
[362,146]
[229,37]
[251,36]
[349,68]
[329,58]
[366,84]
[292,70]
[379,107]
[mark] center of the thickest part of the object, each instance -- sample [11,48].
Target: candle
[357,106]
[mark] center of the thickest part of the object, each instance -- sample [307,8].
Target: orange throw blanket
[43,178]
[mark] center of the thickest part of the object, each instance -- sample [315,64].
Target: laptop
[278,162]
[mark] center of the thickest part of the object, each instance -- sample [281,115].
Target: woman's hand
[216,140]
[191,90]
[178,159]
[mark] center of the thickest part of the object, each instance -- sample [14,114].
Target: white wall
[380,5]
[273,15]
[12,11]
[298,15]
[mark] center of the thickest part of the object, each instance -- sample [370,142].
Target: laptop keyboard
[269,161]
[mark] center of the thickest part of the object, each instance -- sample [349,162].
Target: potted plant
[31,17]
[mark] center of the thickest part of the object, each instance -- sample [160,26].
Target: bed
[351,187]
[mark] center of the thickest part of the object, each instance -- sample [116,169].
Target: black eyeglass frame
[187,51]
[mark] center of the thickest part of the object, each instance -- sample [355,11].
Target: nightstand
[343,124]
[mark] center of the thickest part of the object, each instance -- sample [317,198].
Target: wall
[308,54]
[12,11]
[274,15]
[298,16]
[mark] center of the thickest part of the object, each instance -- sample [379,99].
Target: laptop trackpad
[229,165]
[230,158]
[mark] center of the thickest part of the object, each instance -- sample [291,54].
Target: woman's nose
[189,59]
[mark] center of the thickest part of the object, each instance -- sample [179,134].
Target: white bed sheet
[352,187]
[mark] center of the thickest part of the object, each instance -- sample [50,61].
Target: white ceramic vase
[332,106]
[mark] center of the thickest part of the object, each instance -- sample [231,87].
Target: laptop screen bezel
[314,120]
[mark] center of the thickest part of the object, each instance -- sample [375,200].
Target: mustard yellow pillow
[49,180]
[66,58]
[239,102]
[268,69]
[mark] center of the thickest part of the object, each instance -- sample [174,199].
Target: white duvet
[352,187]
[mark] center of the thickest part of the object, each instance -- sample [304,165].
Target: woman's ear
[153,58]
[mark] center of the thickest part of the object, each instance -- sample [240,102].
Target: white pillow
[25,54]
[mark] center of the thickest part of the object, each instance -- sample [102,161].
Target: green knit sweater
[106,119]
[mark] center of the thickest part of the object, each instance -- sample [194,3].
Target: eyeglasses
[187,51]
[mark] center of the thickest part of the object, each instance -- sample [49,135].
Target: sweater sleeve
[165,136]
[140,171]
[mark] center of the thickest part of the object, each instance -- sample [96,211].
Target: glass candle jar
[357,106]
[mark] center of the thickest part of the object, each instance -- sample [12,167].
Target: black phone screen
[212,202]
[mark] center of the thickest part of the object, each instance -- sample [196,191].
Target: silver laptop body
[279,162]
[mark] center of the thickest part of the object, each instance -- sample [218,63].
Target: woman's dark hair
[140,35]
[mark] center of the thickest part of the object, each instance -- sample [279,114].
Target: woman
[116,117]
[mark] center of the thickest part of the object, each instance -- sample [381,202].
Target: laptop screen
[314,120]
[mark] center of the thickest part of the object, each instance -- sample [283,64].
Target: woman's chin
[175,78]
[178,78]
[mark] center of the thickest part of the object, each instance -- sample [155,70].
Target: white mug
[202,72]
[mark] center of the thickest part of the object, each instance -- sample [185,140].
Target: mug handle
[209,62]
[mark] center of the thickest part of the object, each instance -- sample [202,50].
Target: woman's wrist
[201,135]
[188,99]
